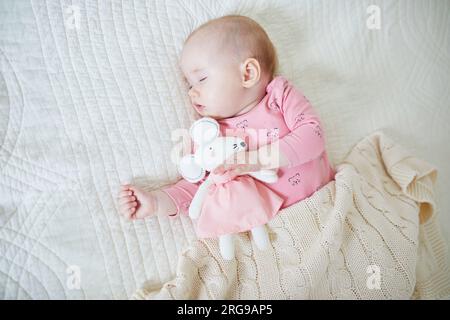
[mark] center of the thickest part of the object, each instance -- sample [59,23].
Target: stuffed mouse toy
[227,203]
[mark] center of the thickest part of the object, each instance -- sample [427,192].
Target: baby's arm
[306,140]
[182,192]
[181,195]
[136,203]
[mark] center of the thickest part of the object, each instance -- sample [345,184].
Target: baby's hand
[239,163]
[136,203]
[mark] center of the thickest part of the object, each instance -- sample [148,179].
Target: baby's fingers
[225,167]
[130,213]
[219,170]
[125,193]
[126,186]
[127,199]
[128,208]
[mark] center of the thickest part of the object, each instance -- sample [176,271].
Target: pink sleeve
[305,142]
[183,191]
[182,194]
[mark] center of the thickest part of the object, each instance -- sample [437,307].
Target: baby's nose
[192,93]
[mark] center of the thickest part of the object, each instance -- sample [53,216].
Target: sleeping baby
[229,64]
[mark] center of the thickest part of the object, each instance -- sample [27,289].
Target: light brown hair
[247,37]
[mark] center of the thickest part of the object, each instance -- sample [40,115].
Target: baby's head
[228,63]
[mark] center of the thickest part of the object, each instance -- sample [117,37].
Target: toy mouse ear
[204,130]
[191,171]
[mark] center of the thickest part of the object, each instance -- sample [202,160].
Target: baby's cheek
[223,92]
[213,95]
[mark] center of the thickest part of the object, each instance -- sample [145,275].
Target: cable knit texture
[376,221]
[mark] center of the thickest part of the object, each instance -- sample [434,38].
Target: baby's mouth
[199,107]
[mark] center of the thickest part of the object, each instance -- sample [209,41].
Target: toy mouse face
[211,151]
[215,153]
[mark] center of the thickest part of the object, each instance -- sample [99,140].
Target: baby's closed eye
[201,80]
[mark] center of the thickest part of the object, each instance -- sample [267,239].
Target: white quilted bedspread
[91,91]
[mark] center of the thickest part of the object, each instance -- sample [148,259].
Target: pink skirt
[236,204]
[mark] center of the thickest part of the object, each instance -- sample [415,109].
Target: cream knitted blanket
[370,234]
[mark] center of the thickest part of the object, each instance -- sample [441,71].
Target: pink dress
[288,118]
[236,204]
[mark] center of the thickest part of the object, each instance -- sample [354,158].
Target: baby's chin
[205,112]
[210,115]
[201,112]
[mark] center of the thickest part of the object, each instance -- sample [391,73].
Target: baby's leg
[226,245]
[261,237]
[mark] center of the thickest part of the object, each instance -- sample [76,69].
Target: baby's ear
[250,72]
[190,170]
[204,130]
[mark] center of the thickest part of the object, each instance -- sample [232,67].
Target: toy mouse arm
[196,204]
[194,173]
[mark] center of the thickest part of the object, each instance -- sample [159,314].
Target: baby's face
[214,78]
